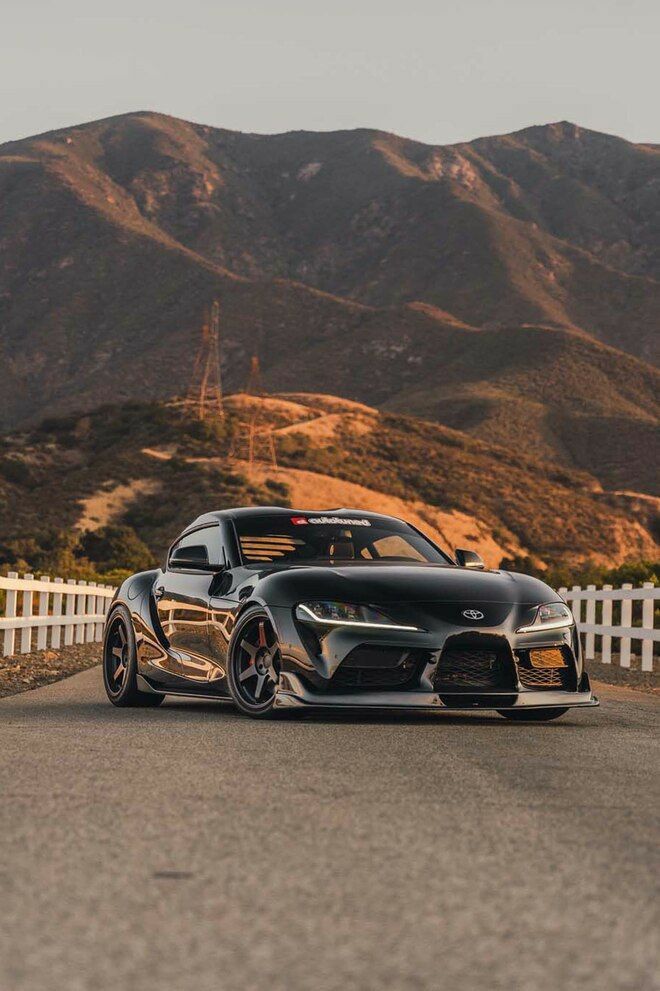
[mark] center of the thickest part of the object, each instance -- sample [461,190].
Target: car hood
[382,583]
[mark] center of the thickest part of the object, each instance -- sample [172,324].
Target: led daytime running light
[355,622]
[560,623]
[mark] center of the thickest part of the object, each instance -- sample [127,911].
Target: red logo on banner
[298,520]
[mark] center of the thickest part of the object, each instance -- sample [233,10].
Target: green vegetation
[588,573]
[105,555]
[113,548]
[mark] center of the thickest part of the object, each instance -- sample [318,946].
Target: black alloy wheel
[254,664]
[120,663]
[117,655]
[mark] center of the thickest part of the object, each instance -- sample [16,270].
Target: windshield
[331,539]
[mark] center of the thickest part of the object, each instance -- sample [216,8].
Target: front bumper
[309,675]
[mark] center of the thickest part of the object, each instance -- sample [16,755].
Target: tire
[253,668]
[532,715]
[120,663]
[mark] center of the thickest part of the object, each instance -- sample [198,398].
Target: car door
[225,596]
[183,600]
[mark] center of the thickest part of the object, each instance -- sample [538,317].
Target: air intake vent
[544,678]
[547,668]
[379,668]
[467,670]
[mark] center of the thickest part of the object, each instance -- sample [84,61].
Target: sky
[428,69]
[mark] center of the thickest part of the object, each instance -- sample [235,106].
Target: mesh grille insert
[544,677]
[547,657]
[369,668]
[459,669]
[546,667]
[371,678]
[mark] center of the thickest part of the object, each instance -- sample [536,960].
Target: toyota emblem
[473,614]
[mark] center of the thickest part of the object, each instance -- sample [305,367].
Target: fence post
[56,631]
[606,642]
[626,620]
[10,612]
[80,611]
[590,638]
[647,624]
[42,632]
[26,632]
[576,604]
[89,627]
[69,610]
[100,611]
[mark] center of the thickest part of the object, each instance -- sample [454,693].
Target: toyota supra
[280,609]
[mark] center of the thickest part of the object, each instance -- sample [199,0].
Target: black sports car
[282,609]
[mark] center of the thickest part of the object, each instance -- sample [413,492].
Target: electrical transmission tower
[205,392]
[254,386]
[255,439]
[260,443]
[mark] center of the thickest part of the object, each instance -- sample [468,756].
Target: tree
[112,548]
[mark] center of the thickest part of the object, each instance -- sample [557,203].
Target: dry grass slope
[152,468]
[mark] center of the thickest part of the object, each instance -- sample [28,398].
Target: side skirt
[145,686]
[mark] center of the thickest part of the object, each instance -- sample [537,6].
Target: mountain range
[507,287]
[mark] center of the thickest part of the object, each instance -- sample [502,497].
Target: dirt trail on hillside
[105,505]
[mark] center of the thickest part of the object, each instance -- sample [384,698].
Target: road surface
[188,847]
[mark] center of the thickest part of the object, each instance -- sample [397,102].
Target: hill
[139,472]
[492,285]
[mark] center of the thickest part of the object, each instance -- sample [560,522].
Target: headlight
[552,616]
[346,614]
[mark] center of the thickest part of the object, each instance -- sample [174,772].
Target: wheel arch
[255,600]
[135,595]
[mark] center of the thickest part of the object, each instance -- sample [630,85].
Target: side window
[395,546]
[209,537]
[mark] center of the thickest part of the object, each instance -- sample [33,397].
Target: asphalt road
[191,848]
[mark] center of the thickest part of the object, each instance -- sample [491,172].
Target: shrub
[113,548]
[16,471]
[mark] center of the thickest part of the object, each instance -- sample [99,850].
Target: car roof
[243,511]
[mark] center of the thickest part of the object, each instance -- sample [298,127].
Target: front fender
[136,593]
[272,613]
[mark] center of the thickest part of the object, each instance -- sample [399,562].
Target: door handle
[159,592]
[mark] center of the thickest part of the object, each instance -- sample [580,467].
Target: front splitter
[297,696]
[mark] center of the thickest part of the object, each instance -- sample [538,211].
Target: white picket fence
[67,612]
[74,612]
[636,603]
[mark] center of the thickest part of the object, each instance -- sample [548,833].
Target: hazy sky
[436,71]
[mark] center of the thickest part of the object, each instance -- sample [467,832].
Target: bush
[16,471]
[589,573]
[279,489]
[114,548]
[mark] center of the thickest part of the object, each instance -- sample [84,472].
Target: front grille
[469,669]
[385,668]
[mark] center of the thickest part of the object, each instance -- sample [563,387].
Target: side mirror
[196,556]
[468,559]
